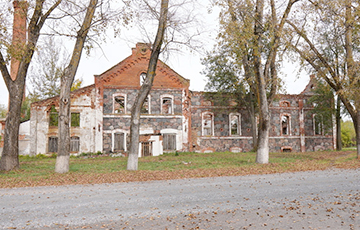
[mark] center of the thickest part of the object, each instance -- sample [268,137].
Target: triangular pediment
[127,72]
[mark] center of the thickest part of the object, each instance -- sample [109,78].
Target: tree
[67,79]
[326,38]
[254,36]
[227,81]
[146,87]
[21,51]
[46,70]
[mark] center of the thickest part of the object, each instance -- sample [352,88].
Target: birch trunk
[132,163]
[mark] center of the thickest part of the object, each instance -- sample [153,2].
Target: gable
[127,72]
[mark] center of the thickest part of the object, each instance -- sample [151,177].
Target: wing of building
[173,117]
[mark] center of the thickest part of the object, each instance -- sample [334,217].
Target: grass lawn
[39,171]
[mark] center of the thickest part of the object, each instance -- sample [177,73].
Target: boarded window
[318,125]
[166,105]
[285,125]
[207,124]
[119,141]
[145,106]
[119,104]
[169,141]
[146,149]
[75,119]
[53,117]
[74,144]
[53,145]
[235,124]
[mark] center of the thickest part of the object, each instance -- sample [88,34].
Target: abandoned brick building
[173,117]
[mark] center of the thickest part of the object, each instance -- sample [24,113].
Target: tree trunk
[10,155]
[62,159]
[338,124]
[357,130]
[145,89]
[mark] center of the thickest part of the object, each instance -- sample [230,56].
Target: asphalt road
[306,200]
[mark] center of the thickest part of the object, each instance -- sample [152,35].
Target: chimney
[19,35]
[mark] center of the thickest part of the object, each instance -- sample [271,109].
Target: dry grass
[39,171]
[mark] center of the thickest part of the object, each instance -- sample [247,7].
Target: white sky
[186,63]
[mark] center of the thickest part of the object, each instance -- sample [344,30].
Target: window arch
[207,121]
[284,103]
[167,104]
[285,124]
[235,124]
[119,103]
[142,78]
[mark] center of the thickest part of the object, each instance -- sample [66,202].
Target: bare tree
[146,87]
[21,52]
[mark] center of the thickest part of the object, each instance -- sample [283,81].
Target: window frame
[53,115]
[142,78]
[171,97]
[165,144]
[54,138]
[114,145]
[149,105]
[203,121]
[75,140]
[238,115]
[114,102]
[71,119]
[321,123]
[288,124]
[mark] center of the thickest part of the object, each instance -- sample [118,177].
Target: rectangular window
[75,119]
[169,141]
[53,117]
[119,104]
[53,145]
[145,106]
[75,144]
[285,125]
[318,126]
[235,124]
[119,141]
[146,149]
[166,105]
[207,123]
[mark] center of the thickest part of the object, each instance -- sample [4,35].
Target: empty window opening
[166,105]
[207,124]
[169,141]
[119,142]
[285,125]
[53,117]
[74,144]
[75,119]
[235,124]
[286,149]
[318,125]
[142,78]
[53,145]
[119,104]
[146,149]
[146,106]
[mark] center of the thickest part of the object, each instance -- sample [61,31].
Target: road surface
[306,200]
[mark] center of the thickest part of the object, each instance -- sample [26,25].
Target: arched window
[207,124]
[235,124]
[74,144]
[142,78]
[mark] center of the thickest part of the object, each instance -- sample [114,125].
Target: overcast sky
[186,63]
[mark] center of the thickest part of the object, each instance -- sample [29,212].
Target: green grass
[39,170]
